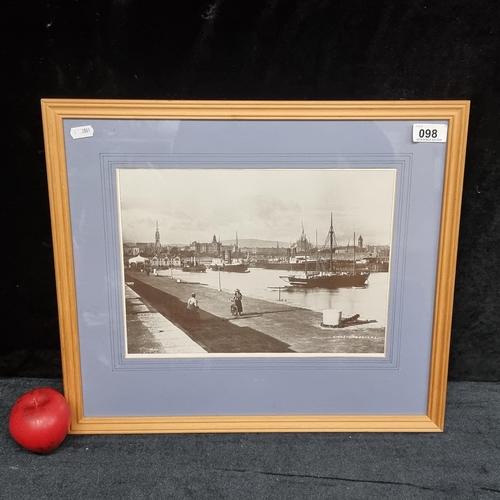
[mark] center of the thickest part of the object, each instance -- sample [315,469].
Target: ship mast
[305,256]
[354,254]
[317,252]
[331,242]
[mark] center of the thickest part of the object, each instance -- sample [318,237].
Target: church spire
[157,238]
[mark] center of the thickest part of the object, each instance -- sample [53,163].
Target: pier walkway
[149,332]
[272,327]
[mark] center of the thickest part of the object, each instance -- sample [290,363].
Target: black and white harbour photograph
[256,262]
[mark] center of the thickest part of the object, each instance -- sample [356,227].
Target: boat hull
[328,280]
[231,268]
[194,269]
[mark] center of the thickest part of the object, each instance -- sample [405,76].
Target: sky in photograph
[195,204]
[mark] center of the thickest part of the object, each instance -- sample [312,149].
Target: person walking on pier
[237,300]
[192,311]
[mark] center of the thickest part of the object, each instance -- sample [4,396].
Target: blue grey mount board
[115,385]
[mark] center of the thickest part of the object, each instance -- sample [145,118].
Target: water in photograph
[369,302]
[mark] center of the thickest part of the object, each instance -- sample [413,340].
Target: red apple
[40,419]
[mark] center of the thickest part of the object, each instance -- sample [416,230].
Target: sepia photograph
[256,262]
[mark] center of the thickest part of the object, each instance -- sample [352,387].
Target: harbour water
[369,302]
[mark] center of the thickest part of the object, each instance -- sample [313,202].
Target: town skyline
[268,205]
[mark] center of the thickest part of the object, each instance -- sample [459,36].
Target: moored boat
[235,266]
[330,278]
[327,279]
[194,268]
[293,264]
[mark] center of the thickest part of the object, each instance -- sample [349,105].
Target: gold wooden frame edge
[53,113]
[252,110]
[63,260]
[238,424]
[447,259]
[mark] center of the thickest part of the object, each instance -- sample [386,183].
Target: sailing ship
[330,278]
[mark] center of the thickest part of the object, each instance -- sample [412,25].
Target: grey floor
[462,462]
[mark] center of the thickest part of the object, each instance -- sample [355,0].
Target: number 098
[427,133]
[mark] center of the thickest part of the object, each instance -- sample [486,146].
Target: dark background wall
[260,49]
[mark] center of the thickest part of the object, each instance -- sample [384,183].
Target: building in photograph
[130,249]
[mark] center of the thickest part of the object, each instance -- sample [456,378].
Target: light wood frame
[54,111]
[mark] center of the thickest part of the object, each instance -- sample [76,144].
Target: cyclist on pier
[237,300]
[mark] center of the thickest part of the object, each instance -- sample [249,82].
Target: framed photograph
[255,266]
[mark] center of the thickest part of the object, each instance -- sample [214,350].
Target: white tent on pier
[137,261]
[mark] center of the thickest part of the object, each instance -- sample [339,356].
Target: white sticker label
[430,132]
[81,132]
